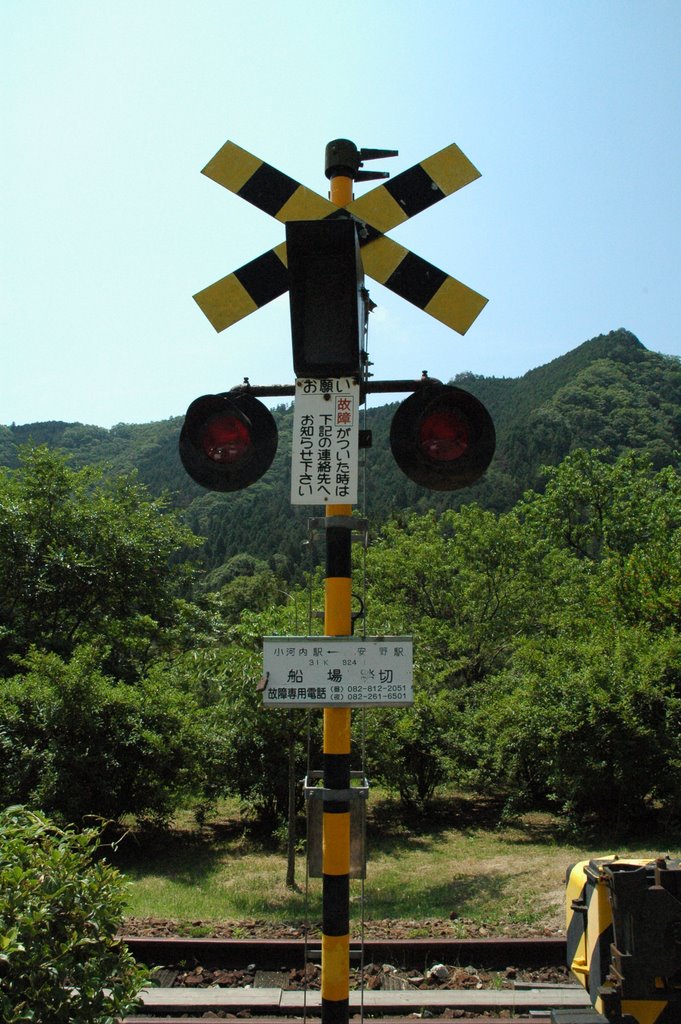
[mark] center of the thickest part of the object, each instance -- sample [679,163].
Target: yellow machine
[624,937]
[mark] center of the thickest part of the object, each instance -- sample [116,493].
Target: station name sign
[324,671]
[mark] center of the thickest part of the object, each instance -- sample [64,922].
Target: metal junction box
[314,807]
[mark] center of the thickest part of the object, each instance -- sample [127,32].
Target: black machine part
[646,951]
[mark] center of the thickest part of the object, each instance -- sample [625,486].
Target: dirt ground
[388,929]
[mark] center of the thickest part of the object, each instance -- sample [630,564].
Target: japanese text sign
[325,442]
[323,671]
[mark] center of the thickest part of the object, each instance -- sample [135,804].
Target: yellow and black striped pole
[337,722]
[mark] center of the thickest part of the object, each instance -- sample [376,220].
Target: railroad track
[269,961]
[270,954]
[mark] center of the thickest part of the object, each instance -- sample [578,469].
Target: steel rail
[407,953]
[536,1019]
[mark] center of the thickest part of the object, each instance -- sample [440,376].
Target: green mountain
[610,392]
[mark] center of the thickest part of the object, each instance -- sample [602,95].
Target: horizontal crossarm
[422,284]
[412,278]
[383,208]
[265,187]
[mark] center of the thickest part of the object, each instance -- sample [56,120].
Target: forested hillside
[610,392]
[545,609]
[546,652]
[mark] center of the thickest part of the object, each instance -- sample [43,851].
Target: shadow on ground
[193,855]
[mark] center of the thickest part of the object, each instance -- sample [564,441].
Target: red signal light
[227,441]
[442,437]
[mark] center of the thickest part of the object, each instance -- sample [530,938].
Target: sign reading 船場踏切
[337,671]
[325,441]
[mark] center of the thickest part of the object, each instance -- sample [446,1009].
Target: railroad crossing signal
[441,437]
[256,283]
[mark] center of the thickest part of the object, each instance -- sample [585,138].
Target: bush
[590,726]
[59,913]
[76,742]
[86,554]
[249,750]
[409,750]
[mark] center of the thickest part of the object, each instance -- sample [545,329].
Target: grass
[457,863]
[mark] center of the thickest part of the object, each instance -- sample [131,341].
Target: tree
[411,750]
[256,745]
[84,554]
[469,584]
[623,521]
[589,725]
[76,742]
[587,715]
[546,641]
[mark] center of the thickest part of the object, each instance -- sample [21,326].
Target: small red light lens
[444,436]
[226,439]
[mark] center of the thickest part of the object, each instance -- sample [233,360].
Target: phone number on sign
[369,693]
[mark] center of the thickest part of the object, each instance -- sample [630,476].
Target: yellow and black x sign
[391,203]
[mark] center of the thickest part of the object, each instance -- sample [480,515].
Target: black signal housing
[327,297]
[442,437]
[227,441]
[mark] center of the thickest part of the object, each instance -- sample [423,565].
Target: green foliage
[408,750]
[609,392]
[588,715]
[546,626]
[469,583]
[592,506]
[248,756]
[592,726]
[244,583]
[546,642]
[84,555]
[60,909]
[624,520]
[466,585]
[76,742]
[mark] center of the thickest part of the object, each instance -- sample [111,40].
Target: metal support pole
[337,721]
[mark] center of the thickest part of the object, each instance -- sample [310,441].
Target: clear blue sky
[109,111]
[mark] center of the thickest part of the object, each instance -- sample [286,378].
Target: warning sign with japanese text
[325,441]
[325,671]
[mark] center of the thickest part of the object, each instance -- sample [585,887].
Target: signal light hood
[442,437]
[227,442]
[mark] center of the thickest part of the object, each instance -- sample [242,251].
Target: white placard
[329,671]
[325,441]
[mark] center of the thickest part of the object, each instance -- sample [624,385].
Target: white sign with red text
[325,441]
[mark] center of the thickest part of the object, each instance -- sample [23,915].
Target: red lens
[226,439]
[444,436]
